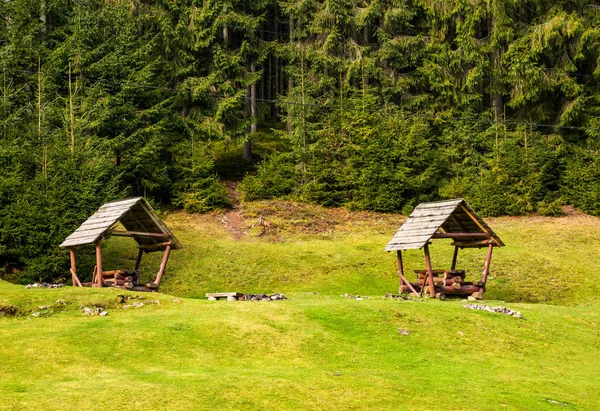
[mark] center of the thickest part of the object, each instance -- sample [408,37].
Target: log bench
[217,296]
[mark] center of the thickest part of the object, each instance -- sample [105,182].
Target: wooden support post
[403,280]
[98,264]
[74,277]
[429,272]
[163,266]
[454,257]
[486,267]
[138,260]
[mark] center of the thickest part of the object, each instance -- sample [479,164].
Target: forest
[365,104]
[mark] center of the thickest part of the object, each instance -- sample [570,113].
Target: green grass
[314,352]
[550,260]
[318,350]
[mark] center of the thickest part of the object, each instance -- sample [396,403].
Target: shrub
[275,177]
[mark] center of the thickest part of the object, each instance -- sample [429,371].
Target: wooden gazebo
[452,219]
[141,223]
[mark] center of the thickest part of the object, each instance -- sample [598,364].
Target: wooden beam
[429,272]
[163,266]
[403,280]
[138,260]
[98,264]
[458,223]
[73,269]
[469,244]
[151,215]
[137,220]
[476,221]
[454,257]
[486,267]
[459,235]
[136,233]
[152,246]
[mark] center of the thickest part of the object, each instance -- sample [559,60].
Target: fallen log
[463,290]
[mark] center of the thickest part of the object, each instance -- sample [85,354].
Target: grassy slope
[317,351]
[309,352]
[334,252]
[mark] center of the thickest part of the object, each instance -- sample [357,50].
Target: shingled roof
[136,215]
[451,216]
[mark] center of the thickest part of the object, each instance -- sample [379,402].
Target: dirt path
[231,219]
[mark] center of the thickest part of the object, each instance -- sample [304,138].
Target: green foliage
[376,105]
[198,190]
[34,214]
[581,181]
[201,195]
[275,177]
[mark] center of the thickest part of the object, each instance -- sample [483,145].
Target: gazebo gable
[453,219]
[137,217]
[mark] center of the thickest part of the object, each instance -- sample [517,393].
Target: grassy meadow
[317,350]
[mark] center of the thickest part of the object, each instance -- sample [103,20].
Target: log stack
[126,279]
[446,282]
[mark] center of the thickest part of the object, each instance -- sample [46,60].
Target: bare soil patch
[232,219]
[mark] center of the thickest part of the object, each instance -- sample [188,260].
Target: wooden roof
[451,216]
[136,215]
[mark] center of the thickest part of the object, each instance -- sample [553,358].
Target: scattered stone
[357,297]
[138,305]
[123,298]
[460,333]
[43,307]
[562,404]
[94,311]
[469,298]
[154,302]
[501,310]
[337,374]
[35,314]
[44,285]
[403,331]
[176,300]
[396,297]
[60,302]
[262,297]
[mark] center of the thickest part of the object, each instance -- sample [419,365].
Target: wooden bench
[217,296]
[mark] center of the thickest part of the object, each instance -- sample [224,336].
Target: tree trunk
[290,111]
[252,103]
[247,155]
[495,88]
[276,91]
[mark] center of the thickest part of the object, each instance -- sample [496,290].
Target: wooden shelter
[453,219]
[141,223]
